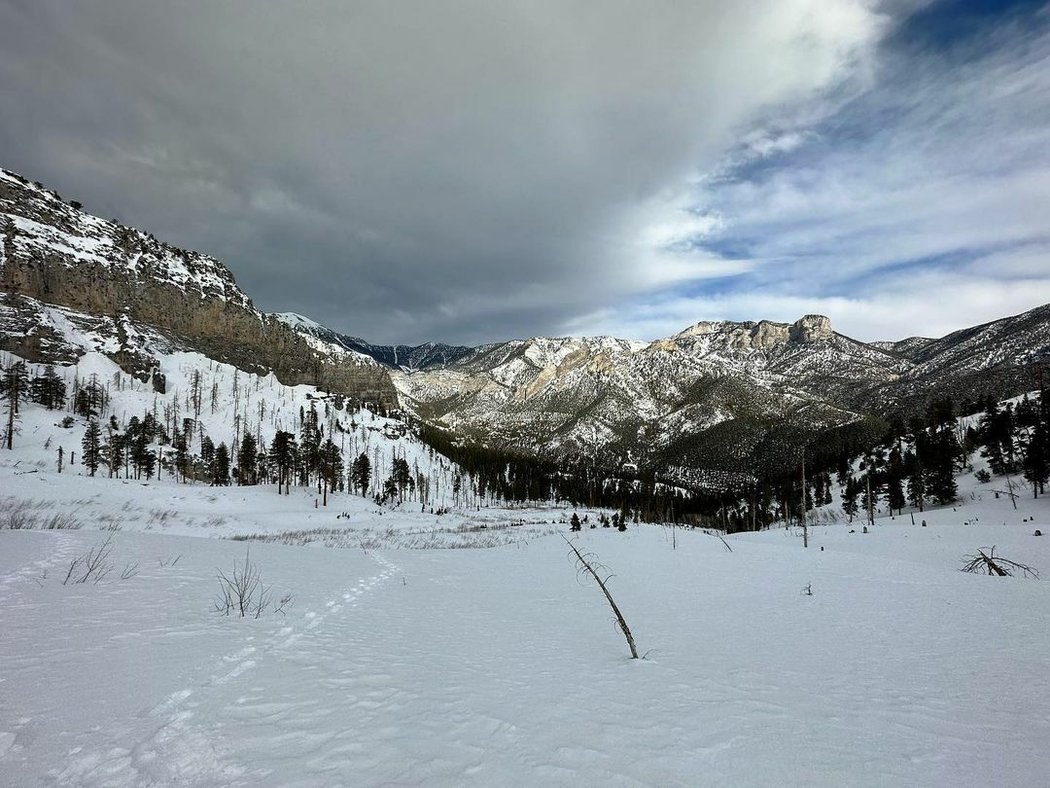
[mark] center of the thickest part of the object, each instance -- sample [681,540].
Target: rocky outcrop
[656,402]
[811,328]
[762,335]
[56,254]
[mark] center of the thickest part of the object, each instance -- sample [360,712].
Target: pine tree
[113,450]
[850,494]
[283,452]
[872,487]
[221,466]
[91,450]
[940,472]
[1036,461]
[309,444]
[90,399]
[15,385]
[916,478]
[574,523]
[895,481]
[331,467]
[182,455]
[361,473]
[207,453]
[48,389]
[247,459]
[401,477]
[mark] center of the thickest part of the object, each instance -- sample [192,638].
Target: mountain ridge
[69,280]
[52,252]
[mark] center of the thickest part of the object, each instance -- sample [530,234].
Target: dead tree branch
[586,567]
[992,564]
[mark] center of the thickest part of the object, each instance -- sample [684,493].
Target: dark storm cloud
[461,171]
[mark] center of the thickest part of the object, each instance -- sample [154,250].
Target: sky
[475,170]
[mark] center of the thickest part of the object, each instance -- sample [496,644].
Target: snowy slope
[600,393]
[501,667]
[713,383]
[400,661]
[38,224]
[260,403]
[53,255]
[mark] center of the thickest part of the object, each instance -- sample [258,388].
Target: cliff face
[56,254]
[762,335]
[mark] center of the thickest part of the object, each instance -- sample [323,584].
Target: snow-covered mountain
[408,358]
[727,381]
[143,297]
[71,283]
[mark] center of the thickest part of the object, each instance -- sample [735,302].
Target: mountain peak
[763,334]
[811,328]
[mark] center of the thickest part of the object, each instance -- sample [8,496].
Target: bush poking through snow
[586,567]
[130,570]
[93,565]
[18,514]
[243,592]
[992,564]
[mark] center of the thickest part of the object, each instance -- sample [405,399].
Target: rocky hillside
[637,398]
[129,285]
[71,282]
[706,395]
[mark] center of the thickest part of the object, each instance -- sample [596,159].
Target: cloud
[911,200]
[462,171]
[932,304]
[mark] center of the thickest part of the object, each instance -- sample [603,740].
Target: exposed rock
[811,328]
[699,398]
[59,255]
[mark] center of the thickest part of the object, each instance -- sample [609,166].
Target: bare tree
[586,567]
[130,570]
[243,592]
[285,601]
[236,590]
[992,564]
[1009,491]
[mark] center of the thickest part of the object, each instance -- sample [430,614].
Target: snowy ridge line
[84,238]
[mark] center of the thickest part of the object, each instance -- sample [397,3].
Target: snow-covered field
[400,663]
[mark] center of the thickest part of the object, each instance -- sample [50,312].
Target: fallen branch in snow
[585,566]
[282,603]
[992,564]
[718,536]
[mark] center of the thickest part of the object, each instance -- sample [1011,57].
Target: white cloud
[945,156]
[919,199]
[347,158]
[931,304]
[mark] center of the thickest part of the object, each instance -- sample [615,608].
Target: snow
[401,662]
[295,320]
[324,339]
[80,239]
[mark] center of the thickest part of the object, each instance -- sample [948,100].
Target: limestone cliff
[54,253]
